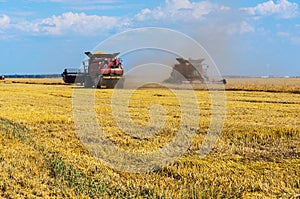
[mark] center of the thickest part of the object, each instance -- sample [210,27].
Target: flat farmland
[257,154]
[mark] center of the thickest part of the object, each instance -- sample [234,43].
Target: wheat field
[256,156]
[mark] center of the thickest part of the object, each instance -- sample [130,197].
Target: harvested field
[256,156]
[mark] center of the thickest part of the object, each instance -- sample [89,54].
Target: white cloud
[70,22]
[179,4]
[182,14]
[246,27]
[187,12]
[283,9]
[4,22]
[182,10]
[143,14]
[241,28]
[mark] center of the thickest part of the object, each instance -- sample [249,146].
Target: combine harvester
[191,71]
[101,69]
[2,77]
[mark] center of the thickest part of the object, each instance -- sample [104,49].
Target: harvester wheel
[100,82]
[88,82]
[110,84]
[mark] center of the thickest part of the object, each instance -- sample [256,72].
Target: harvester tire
[88,82]
[110,84]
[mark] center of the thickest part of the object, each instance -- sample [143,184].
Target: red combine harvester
[101,69]
[191,71]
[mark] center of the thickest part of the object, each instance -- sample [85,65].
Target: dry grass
[45,81]
[264,84]
[257,155]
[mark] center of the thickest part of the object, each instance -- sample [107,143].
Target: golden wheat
[257,155]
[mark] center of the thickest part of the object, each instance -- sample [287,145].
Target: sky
[246,38]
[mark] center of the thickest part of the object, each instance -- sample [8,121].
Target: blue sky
[256,38]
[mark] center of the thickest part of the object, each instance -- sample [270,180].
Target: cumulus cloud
[230,28]
[192,16]
[183,10]
[70,22]
[4,22]
[282,8]
[179,14]
[184,15]
[146,13]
